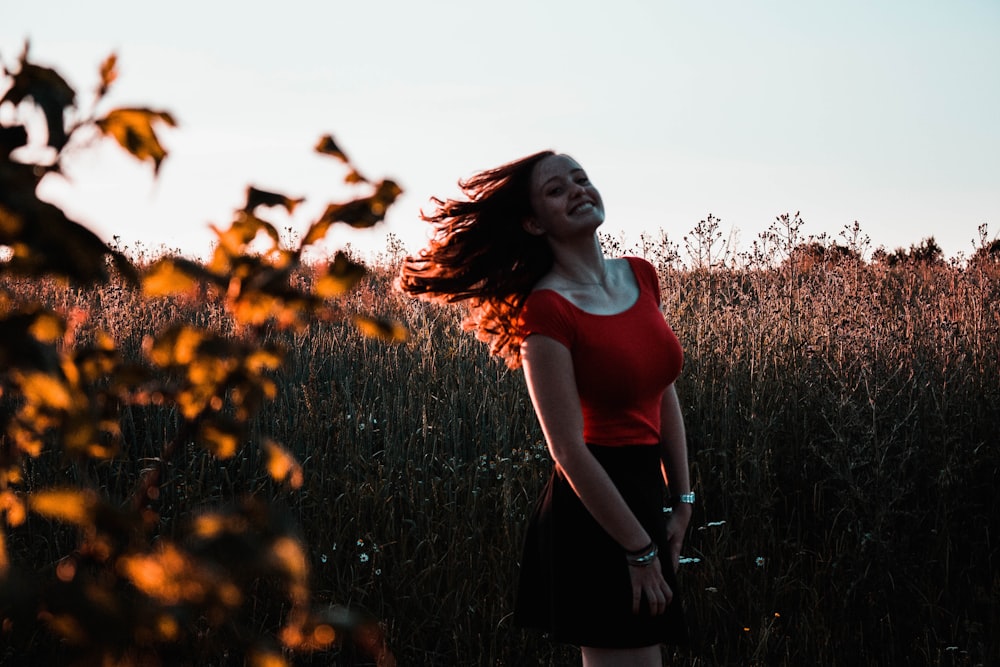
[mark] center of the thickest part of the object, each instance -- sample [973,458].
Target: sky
[883,112]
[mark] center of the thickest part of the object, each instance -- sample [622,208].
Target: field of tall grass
[842,410]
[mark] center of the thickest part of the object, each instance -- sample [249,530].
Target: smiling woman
[599,560]
[565,201]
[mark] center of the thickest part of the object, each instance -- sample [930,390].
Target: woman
[599,561]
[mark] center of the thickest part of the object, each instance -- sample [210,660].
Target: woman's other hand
[648,582]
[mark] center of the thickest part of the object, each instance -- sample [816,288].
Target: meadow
[842,409]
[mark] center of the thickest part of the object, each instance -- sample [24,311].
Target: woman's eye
[554,192]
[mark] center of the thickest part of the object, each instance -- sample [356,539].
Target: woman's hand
[647,580]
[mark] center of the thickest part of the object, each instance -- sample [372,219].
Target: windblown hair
[480,253]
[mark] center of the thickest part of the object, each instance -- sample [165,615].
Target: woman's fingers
[657,598]
[668,595]
[654,588]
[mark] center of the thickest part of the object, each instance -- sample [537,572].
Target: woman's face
[563,200]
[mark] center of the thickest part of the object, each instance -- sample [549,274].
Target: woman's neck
[581,264]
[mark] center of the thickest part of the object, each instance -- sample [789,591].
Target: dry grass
[842,418]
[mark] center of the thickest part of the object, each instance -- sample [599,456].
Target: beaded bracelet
[643,557]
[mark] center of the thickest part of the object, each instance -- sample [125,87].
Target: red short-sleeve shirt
[623,362]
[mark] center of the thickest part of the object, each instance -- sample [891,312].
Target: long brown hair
[481,253]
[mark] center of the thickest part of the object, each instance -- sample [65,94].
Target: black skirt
[574,582]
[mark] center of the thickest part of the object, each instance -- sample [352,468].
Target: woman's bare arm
[674,455]
[548,370]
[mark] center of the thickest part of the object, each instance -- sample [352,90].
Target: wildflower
[760,561]
[711,524]
[363,558]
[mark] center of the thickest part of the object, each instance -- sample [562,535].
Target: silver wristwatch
[687,498]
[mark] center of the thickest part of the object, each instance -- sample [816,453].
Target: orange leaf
[221,440]
[109,74]
[316,232]
[166,277]
[259,361]
[243,231]
[170,575]
[11,475]
[266,658]
[257,198]
[13,507]
[47,327]
[365,212]
[327,146]
[133,129]
[354,176]
[67,505]
[256,307]
[43,389]
[340,277]
[49,242]
[178,346]
[394,332]
[290,556]
[46,88]
[281,465]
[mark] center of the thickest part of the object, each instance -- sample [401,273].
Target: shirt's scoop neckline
[623,311]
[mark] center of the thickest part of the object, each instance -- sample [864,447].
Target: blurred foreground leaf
[360,213]
[393,332]
[109,74]
[256,197]
[74,506]
[174,275]
[133,129]
[46,88]
[340,277]
[282,466]
[147,579]
[43,240]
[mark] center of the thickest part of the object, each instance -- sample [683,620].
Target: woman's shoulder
[644,271]
[547,312]
[544,298]
[639,264]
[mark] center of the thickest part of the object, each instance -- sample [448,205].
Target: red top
[623,362]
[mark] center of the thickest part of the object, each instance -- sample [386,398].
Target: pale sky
[883,111]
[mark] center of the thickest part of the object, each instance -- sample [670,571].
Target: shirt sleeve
[544,312]
[646,276]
